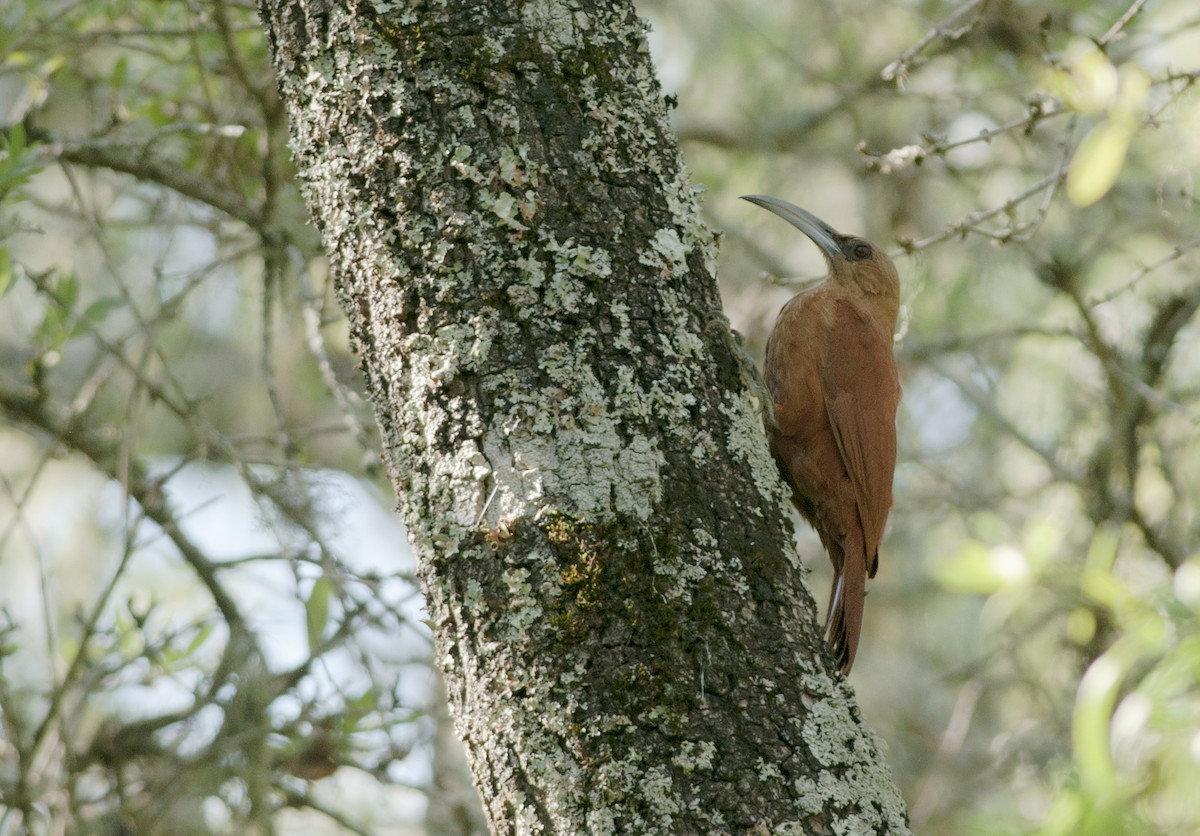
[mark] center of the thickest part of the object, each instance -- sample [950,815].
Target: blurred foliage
[1032,651]
[195,634]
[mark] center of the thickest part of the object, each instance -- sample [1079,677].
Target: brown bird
[831,374]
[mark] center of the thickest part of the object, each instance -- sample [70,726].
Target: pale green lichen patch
[698,559]
[457,347]
[682,199]
[769,771]
[473,599]
[703,446]
[585,461]
[564,294]
[673,405]
[557,26]
[520,462]
[514,167]
[617,784]
[859,787]
[523,609]
[531,275]
[832,735]
[666,253]
[622,339]
[506,207]
[851,777]
[639,462]
[745,440]
[576,259]
[461,162]
[695,756]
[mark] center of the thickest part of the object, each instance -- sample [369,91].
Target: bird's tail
[844,621]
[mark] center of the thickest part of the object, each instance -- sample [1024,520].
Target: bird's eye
[862,251]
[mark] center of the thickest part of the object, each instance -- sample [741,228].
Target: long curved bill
[821,233]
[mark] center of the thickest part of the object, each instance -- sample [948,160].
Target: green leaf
[8,278]
[18,163]
[1091,724]
[15,141]
[364,703]
[1098,162]
[1088,82]
[96,313]
[52,330]
[66,290]
[101,308]
[976,569]
[1102,551]
[316,610]
[1065,815]
[1081,626]
[1103,587]
[120,73]
[198,640]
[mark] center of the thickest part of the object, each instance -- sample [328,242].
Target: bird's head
[853,261]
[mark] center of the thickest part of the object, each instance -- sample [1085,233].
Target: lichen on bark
[602,538]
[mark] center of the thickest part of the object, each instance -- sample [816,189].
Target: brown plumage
[832,376]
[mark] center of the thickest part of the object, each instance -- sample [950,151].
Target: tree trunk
[603,539]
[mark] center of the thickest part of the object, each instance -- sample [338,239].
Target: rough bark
[602,537]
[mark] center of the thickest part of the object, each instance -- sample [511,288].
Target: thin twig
[1121,23]
[951,28]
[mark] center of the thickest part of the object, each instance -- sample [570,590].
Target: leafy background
[208,617]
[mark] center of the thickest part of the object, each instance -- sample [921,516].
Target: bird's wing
[862,392]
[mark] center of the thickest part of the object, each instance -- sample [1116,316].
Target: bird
[830,374]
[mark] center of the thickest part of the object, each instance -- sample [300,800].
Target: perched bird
[831,374]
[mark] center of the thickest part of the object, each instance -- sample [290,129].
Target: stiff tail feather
[844,621]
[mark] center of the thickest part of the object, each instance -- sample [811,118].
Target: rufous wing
[861,391]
